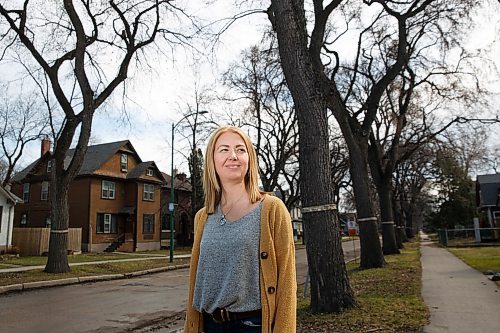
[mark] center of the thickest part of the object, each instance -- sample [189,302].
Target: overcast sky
[155,96]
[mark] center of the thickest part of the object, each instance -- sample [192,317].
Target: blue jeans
[249,325]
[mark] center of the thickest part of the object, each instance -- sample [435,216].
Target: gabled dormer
[115,159]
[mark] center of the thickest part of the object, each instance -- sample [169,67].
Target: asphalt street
[149,303]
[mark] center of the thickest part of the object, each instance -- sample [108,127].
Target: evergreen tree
[196,170]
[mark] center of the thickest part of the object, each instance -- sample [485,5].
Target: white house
[7,202]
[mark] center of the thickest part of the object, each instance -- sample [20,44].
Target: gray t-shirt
[228,267]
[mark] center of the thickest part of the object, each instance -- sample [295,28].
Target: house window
[106,223]
[149,192]
[1,218]
[49,166]
[26,192]
[148,224]
[124,162]
[48,222]
[44,195]
[108,190]
[24,220]
[149,172]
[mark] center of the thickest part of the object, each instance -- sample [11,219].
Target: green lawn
[389,299]
[481,258]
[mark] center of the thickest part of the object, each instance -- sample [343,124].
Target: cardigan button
[271,290]
[263,255]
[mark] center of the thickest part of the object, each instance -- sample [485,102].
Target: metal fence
[464,237]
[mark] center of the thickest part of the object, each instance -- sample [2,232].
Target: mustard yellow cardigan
[278,282]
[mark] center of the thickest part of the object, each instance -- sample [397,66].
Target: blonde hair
[211,181]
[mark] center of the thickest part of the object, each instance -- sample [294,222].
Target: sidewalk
[460,299]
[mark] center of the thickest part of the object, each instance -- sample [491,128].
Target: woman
[242,275]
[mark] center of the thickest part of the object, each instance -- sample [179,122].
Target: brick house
[115,198]
[183,217]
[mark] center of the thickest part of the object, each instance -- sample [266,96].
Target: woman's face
[231,158]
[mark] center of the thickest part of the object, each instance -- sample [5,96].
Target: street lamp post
[171,207]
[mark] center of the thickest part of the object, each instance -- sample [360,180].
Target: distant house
[296,215]
[183,216]
[115,198]
[8,201]
[488,199]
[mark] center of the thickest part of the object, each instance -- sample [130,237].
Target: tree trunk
[57,261]
[330,289]
[389,245]
[382,172]
[371,251]
[62,176]
[400,229]
[398,223]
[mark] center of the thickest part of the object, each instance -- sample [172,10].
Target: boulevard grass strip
[389,299]
[483,259]
[104,268]
[76,258]
[86,257]
[166,252]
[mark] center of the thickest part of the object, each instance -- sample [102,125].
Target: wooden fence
[35,241]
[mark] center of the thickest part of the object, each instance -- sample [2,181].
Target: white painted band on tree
[388,222]
[320,208]
[59,231]
[366,219]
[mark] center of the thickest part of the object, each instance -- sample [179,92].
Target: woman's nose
[233,154]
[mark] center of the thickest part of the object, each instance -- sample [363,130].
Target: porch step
[115,245]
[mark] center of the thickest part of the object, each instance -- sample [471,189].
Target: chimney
[45,145]
[181,176]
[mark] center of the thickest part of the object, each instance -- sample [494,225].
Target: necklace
[223,219]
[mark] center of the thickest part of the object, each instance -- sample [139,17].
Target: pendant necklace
[223,219]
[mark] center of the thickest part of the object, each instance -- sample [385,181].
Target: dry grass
[389,299]
[88,270]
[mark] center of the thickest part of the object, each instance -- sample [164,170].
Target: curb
[83,279]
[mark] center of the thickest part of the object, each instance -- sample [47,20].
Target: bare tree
[411,179]
[269,114]
[311,65]
[70,43]
[22,121]
[339,160]
[404,103]
[301,63]
[195,128]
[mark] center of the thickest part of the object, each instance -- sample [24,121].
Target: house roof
[24,172]
[489,187]
[95,156]
[11,196]
[486,179]
[98,154]
[141,168]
